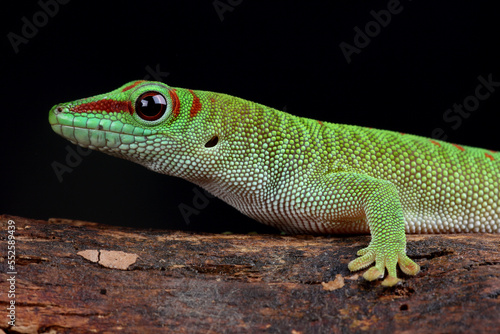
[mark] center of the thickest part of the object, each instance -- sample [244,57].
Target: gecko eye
[151,106]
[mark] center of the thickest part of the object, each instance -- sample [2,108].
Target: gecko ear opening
[212,142]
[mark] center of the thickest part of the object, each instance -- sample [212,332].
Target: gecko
[297,174]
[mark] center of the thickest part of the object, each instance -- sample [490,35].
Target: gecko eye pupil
[151,106]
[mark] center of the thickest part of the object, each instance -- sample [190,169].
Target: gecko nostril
[59,110]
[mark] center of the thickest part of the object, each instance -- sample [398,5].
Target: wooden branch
[68,280]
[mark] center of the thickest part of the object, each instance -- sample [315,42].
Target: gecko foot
[383,259]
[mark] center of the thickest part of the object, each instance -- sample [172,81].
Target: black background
[279,53]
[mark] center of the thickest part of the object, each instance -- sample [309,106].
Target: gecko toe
[362,262]
[372,274]
[391,281]
[407,265]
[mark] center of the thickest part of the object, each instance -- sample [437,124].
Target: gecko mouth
[98,133]
[96,138]
[107,135]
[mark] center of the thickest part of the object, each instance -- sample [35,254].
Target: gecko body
[297,174]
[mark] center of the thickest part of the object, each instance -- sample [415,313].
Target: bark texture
[79,277]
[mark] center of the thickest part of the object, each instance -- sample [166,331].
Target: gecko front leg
[379,201]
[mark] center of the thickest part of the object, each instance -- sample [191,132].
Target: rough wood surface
[68,281]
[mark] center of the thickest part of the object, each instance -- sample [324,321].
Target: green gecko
[297,174]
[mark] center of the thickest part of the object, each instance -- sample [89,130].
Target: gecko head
[140,121]
[137,108]
[131,122]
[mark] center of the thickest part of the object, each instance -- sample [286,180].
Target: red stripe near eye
[175,103]
[108,106]
[459,147]
[489,156]
[435,143]
[132,85]
[196,106]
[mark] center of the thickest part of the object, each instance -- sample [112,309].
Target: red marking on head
[175,103]
[108,106]
[196,106]
[320,123]
[132,85]
[402,133]
[493,151]
[459,147]
[212,100]
[489,156]
[435,142]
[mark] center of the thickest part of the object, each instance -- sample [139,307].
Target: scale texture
[297,174]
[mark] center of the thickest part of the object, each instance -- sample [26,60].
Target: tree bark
[77,277]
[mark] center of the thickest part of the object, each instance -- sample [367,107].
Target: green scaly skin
[297,174]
